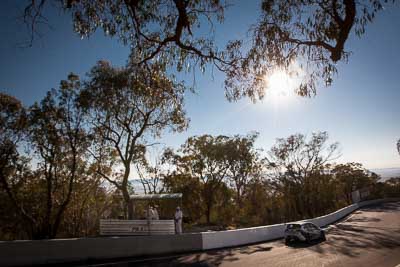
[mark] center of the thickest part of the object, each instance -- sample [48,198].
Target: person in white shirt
[150,212]
[178,220]
[155,214]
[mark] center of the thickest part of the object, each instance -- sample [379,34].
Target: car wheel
[323,237]
[308,239]
[287,241]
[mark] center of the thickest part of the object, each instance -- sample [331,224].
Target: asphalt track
[369,237]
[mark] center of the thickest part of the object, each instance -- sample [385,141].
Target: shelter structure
[145,225]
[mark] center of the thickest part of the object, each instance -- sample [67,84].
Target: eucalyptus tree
[180,34]
[191,189]
[205,159]
[59,142]
[151,175]
[298,157]
[14,168]
[127,109]
[311,35]
[164,30]
[297,164]
[245,163]
[352,176]
[12,132]
[42,156]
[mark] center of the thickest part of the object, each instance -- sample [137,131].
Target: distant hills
[387,173]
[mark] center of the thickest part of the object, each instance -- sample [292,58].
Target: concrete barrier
[334,216]
[13,253]
[337,215]
[244,236]
[29,252]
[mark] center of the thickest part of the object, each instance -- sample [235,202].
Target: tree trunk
[208,213]
[128,203]
[130,210]
[47,228]
[239,198]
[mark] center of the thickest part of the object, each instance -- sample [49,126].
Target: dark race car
[303,231]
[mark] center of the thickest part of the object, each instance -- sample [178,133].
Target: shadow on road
[353,241]
[305,244]
[213,258]
[363,219]
[386,207]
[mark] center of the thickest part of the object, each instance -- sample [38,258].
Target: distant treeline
[68,160]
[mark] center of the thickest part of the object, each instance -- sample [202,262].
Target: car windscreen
[293,226]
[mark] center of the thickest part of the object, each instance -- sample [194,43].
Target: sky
[360,110]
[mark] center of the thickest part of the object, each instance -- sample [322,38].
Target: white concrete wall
[244,236]
[334,216]
[27,253]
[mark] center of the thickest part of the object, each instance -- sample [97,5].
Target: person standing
[155,213]
[150,213]
[178,220]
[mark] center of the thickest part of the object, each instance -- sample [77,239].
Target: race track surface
[369,237]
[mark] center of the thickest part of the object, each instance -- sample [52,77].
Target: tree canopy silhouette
[311,34]
[162,30]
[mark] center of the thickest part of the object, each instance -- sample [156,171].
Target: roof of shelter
[156,196]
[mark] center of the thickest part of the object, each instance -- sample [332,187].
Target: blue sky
[361,110]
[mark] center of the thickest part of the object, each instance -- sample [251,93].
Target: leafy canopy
[308,34]
[180,33]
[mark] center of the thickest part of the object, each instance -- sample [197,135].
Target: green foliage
[352,176]
[391,188]
[89,203]
[297,158]
[59,142]
[204,158]
[296,181]
[13,124]
[191,189]
[54,134]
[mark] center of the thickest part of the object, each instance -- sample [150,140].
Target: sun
[281,84]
